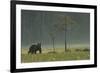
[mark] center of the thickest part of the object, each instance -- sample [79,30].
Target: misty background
[36,26]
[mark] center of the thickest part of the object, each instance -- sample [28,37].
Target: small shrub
[78,50]
[86,49]
[68,50]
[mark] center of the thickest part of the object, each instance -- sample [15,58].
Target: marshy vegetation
[58,55]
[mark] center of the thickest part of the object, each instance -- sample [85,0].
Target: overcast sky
[36,26]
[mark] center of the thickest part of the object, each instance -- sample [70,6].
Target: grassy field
[59,55]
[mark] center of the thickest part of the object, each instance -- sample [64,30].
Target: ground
[59,55]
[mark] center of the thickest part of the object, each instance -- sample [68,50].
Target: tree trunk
[65,35]
[53,44]
[65,40]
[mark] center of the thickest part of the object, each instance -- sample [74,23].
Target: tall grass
[47,55]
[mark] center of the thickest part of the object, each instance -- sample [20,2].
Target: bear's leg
[35,51]
[40,51]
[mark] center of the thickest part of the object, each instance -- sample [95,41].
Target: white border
[51,64]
